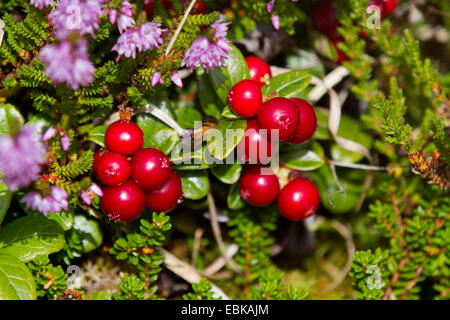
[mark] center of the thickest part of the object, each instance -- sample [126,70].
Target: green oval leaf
[157,134]
[234,70]
[229,114]
[10,119]
[234,199]
[187,116]
[27,237]
[5,200]
[289,84]
[304,160]
[195,184]
[227,173]
[224,137]
[209,100]
[16,280]
[97,135]
[88,231]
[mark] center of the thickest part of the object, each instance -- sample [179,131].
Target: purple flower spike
[156,77]
[55,202]
[21,158]
[65,142]
[112,16]
[126,9]
[276,21]
[49,134]
[124,22]
[95,189]
[270,5]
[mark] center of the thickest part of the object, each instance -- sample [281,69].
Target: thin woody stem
[180,26]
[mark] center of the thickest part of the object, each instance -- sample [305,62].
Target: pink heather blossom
[270,5]
[69,63]
[126,8]
[81,15]
[41,3]
[95,189]
[146,37]
[124,22]
[176,79]
[65,143]
[276,21]
[86,197]
[156,77]
[112,14]
[208,53]
[49,134]
[21,157]
[55,202]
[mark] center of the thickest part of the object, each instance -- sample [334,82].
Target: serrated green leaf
[27,237]
[16,280]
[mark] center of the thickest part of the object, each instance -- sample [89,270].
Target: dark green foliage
[51,281]
[201,291]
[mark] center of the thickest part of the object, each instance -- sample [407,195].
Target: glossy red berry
[258,187]
[255,146]
[299,199]
[97,156]
[258,69]
[150,168]
[325,19]
[279,114]
[167,197]
[245,98]
[123,203]
[308,121]
[390,6]
[124,137]
[112,168]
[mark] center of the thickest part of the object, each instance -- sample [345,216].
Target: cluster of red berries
[143,179]
[295,121]
[297,200]
[326,21]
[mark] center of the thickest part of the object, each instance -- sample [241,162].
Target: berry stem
[180,26]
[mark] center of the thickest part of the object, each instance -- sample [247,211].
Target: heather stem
[180,26]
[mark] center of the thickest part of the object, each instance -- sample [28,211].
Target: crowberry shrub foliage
[270,149]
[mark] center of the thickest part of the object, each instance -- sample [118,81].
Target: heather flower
[95,189]
[82,15]
[112,14]
[176,79]
[65,143]
[156,77]
[124,22]
[41,3]
[51,131]
[208,52]
[270,5]
[55,202]
[86,197]
[127,44]
[150,35]
[275,21]
[21,157]
[126,8]
[69,63]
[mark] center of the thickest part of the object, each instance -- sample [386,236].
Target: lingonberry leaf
[16,280]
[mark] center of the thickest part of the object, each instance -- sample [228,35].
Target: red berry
[259,69]
[299,199]
[279,114]
[325,19]
[167,197]
[245,98]
[112,169]
[390,5]
[308,121]
[199,8]
[124,137]
[123,203]
[97,156]
[150,168]
[255,146]
[257,187]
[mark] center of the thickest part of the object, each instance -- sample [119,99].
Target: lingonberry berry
[308,121]
[255,146]
[112,168]
[124,137]
[390,6]
[150,168]
[299,199]
[97,156]
[325,19]
[123,203]
[257,187]
[245,98]
[279,114]
[259,70]
[167,197]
